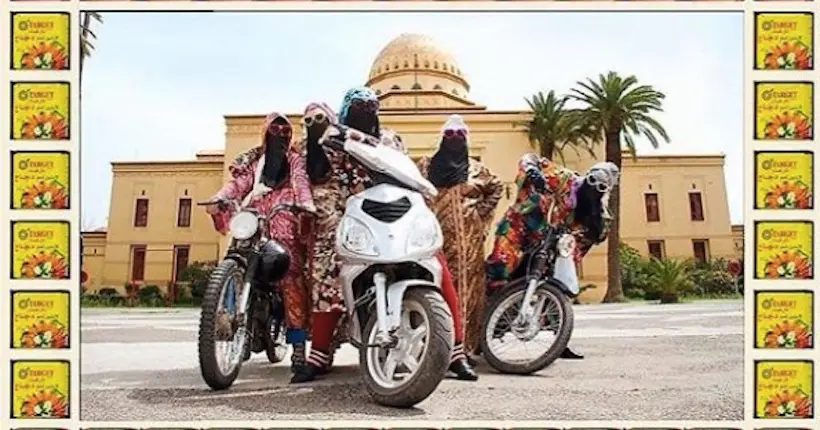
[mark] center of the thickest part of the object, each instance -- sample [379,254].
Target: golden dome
[420,55]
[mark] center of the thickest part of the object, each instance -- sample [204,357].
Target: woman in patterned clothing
[468,196]
[262,178]
[359,111]
[577,201]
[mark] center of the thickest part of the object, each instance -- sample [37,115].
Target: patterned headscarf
[331,116]
[358,93]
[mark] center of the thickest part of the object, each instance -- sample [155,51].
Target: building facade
[672,206]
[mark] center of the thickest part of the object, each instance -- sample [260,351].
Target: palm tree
[621,109]
[554,128]
[671,276]
[87,35]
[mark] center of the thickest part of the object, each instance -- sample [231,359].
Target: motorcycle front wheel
[555,317]
[408,373]
[221,348]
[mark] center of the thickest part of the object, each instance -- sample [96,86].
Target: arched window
[406,64]
[435,65]
[426,64]
[395,87]
[378,92]
[455,91]
[436,87]
[417,86]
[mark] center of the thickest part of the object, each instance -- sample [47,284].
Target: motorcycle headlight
[426,234]
[244,225]
[566,246]
[356,237]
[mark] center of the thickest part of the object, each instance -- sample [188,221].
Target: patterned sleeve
[583,240]
[528,162]
[300,182]
[423,164]
[490,188]
[235,189]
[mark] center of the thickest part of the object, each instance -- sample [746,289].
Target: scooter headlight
[244,225]
[425,235]
[357,238]
[566,246]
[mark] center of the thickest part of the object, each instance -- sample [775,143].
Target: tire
[553,353]
[434,363]
[208,365]
[276,353]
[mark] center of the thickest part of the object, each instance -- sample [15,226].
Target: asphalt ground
[643,362]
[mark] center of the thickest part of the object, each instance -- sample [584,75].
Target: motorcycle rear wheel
[552,353]
[208,363]
[434,357]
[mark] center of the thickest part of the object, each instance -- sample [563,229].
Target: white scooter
[387,243]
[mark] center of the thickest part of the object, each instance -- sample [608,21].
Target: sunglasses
[601,181]
[316,118]
[279,130]
[366,105]
[450,133]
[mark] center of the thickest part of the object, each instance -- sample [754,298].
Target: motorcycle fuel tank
[275,261]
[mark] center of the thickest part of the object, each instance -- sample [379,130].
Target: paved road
[644,362]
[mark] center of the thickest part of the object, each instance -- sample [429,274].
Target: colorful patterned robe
[285,227]
[465,212]
[524,222]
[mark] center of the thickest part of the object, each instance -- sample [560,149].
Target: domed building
[671,206]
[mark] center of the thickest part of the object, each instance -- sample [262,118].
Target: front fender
[395,297]
[561,286]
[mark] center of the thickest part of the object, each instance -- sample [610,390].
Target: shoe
[305,374]
[463,370]
[569,354]
[471,360]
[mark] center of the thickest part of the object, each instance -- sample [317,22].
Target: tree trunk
[614,290]
[547,149]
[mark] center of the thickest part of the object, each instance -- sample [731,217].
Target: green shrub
[673,278]
[104,297]
[197,275]
[634,275]
[713,279]
[150,295]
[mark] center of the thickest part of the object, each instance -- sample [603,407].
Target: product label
[40,41]
[40,250]
[784,41]
[40,319]
[784,180]
[40,110]
[784,250]
[783,110]
[40,180]
[784,319]
[40,389]
[783,389]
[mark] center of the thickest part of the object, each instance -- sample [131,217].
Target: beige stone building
[673,206]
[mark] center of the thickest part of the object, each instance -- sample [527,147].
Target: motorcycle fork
[527,310]
[242,309]
[383,336]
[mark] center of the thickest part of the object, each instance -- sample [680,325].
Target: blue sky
[158,84]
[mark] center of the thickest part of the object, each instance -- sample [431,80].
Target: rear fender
[395,297]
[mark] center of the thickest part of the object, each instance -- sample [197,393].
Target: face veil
[276,142]
[316,118]
[360,110]
[449,166]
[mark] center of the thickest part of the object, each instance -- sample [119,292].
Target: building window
[181,253]
[695,206]
[417,86]
[184,213]
[141,213]
[395,87]
[701,250]
[653,212]
[657,249]
[137,263]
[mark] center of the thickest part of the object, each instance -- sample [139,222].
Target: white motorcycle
[387,243]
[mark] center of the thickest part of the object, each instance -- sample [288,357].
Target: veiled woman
[268,175]
[468,195]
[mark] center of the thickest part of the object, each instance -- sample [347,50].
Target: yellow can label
[783,389]
[784,180]
[40,389]
[40,41]
[784,41]
[784,250]
[40,319]
[40,250]
[784,319]
[40,110]
[783,110]
[40,180]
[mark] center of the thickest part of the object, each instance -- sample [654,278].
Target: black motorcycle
[536,304]
[242,310]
